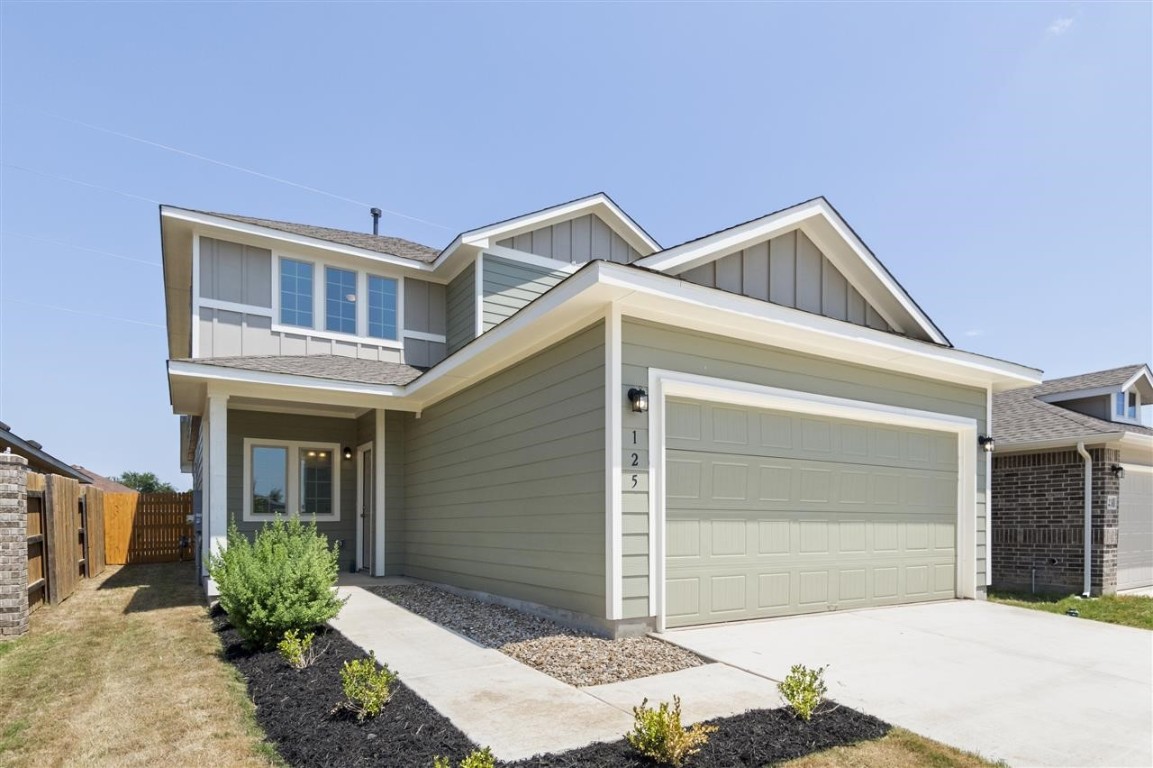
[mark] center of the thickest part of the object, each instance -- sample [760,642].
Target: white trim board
[665,383]
[292,478]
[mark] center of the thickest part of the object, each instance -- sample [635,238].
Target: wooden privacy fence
[147,527]
[65,537]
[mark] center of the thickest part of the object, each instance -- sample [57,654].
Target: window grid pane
[315,481]
[382,307]
[340,309]
[269,479]
[296,293]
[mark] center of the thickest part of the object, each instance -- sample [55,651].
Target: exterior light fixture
[1117,470]
[640,399]
[986,442]
[347,453]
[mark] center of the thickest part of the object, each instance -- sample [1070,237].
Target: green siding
[509,286]
[504,482]
[461,309]
[646,345]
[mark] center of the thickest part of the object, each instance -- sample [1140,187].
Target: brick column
[13,545]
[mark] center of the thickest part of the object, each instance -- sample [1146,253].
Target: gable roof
[392,246]
[821,222]
[39,460]
[1022,416]
[1113,379]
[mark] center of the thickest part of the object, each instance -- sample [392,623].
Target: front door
[366,509]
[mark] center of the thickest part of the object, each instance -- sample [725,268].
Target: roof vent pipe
[1088,517]
[375,221]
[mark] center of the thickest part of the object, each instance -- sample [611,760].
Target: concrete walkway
[514,709]
[1024,686]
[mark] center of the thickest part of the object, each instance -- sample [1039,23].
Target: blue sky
[997,157]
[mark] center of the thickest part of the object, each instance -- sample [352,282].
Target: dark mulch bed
[295,709]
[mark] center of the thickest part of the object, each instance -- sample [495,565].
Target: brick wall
[13,545]
[1038,517]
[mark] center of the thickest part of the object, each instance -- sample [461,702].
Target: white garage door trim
[664,384]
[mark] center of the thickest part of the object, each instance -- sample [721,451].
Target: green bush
[297,649]
[284,579]
[659,735]
[367,688]
[803,689]
[478,758]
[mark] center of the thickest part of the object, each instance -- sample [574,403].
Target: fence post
[13,545]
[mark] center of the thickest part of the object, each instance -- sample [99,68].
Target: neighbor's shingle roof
[393,246]
[321,367]
[1019,417]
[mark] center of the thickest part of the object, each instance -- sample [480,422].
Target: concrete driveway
[1026,687]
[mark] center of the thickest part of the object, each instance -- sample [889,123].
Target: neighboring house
[557,411]
[39,460]
[106,484]
[1072,454]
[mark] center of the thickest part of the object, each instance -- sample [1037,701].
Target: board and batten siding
[393,483]
[425,311]
[460,301]
[304,429]
[509,286]
[224,333]
[504,482]
[241,274]
[575,241]
[647,345]
[791,271]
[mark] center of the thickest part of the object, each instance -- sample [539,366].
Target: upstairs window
[340,300]
[296,293]
[1127,405]
[382,307]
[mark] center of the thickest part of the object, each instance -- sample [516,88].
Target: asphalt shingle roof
[1018,416]
[393,246]
[336,367]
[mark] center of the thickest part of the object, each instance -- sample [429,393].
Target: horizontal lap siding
[504,482]
[509,286]
[647,345]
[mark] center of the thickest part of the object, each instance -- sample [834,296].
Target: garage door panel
[1135,530]
[836,515]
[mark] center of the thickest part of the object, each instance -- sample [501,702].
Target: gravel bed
[571,656]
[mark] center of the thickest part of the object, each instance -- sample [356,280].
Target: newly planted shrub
[803,689]
[659,735]
[478,758]
[298,649]
[367,688]
[283,579]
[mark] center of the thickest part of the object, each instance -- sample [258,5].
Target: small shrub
[803,689]
[659,735]
[284,579]
[478,758]
[298,650]
[367,688]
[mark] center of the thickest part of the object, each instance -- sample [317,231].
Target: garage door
[1135,531]
[771,514]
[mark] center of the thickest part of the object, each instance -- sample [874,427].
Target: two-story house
[556,411]
[1073,485]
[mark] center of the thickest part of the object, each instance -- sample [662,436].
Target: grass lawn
[1128,610]
[125,673]
[898,749]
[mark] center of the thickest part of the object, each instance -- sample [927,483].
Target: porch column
[214,507]
[378,494]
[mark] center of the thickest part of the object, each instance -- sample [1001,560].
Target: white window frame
[292,492]
[357,280]
[277,318]
[1124,416]
[399,306]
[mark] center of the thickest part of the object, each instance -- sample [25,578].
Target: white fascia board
[532,259]
[598,203]
[1092,438]
[1144,376]
[1077,394]
[253,230]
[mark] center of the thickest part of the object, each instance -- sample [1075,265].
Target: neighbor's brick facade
[13,545]
[1038,513]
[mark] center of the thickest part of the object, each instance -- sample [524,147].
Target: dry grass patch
[125,672]
[898,749]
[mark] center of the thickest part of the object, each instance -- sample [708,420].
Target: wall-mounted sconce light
[347,453]
[1117,470]
[986,442]
[639,399]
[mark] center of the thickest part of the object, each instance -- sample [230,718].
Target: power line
[70,180]
[233,167]
[80,247]
[80,312]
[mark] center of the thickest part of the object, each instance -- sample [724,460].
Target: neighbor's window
[381,307]
[269,479]
[296,293]
[340,300]
[316,481]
